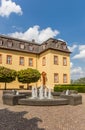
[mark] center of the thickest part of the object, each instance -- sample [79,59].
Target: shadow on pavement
[10,120]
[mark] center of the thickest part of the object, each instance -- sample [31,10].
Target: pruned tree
[28,75]
[80,81]
[7,75]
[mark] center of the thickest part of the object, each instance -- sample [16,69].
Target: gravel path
[42,118]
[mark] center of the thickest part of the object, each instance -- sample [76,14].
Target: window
[30,47]
[57,45]
[0,58]
[21,61]
[56,78]
[22,46]
[56,60]
[64,47]
[9,43]
[30,61]
[64,61]
[1,42]
[43,46]
[64,78]
[43,61]
[9,59]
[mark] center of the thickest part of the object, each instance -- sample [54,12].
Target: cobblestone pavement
[42,118]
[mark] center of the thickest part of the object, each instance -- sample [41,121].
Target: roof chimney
[33,40]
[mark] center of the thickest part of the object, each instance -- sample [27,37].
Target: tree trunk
[5,86]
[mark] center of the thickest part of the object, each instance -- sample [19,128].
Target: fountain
[34,93]
[67,92]
[42,97]
[41,93]
[45,93]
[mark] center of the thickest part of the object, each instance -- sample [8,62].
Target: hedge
[78,87]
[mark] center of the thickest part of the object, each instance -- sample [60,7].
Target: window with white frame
[64,61]
[56,77]
[56,60]
[64,78]
[21,61]
[30,61]
[9,59]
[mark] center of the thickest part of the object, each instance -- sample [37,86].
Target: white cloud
[36,34]
[61,39]
[82,47]
[77,72]
[81,54]
[7,7]
[71,64]
[72,48]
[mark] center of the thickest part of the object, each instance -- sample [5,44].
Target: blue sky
[41,19]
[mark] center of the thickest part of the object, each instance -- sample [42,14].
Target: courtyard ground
[42,118]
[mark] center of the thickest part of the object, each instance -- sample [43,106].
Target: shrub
[78,87]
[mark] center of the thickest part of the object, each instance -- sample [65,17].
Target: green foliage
[78,87]
[28,75]
[79,81]
[7,75]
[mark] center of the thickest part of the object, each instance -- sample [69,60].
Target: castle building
[51,58]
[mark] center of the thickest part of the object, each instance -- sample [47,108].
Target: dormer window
[9,43]
[57,45]
[64,47]
[43,46]
[22,46]
[1,42]
[30,47]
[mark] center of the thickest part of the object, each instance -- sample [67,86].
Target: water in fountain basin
[49,94]
[43,93]
[34,92]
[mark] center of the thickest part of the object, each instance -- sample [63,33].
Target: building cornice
[15,44]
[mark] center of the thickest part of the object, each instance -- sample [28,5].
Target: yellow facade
[15,65]
[49,68]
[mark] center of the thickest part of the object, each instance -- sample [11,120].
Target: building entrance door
[44,78]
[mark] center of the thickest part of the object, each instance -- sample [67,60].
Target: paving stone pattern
[42,118]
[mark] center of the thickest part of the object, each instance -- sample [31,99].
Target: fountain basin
[43,102]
